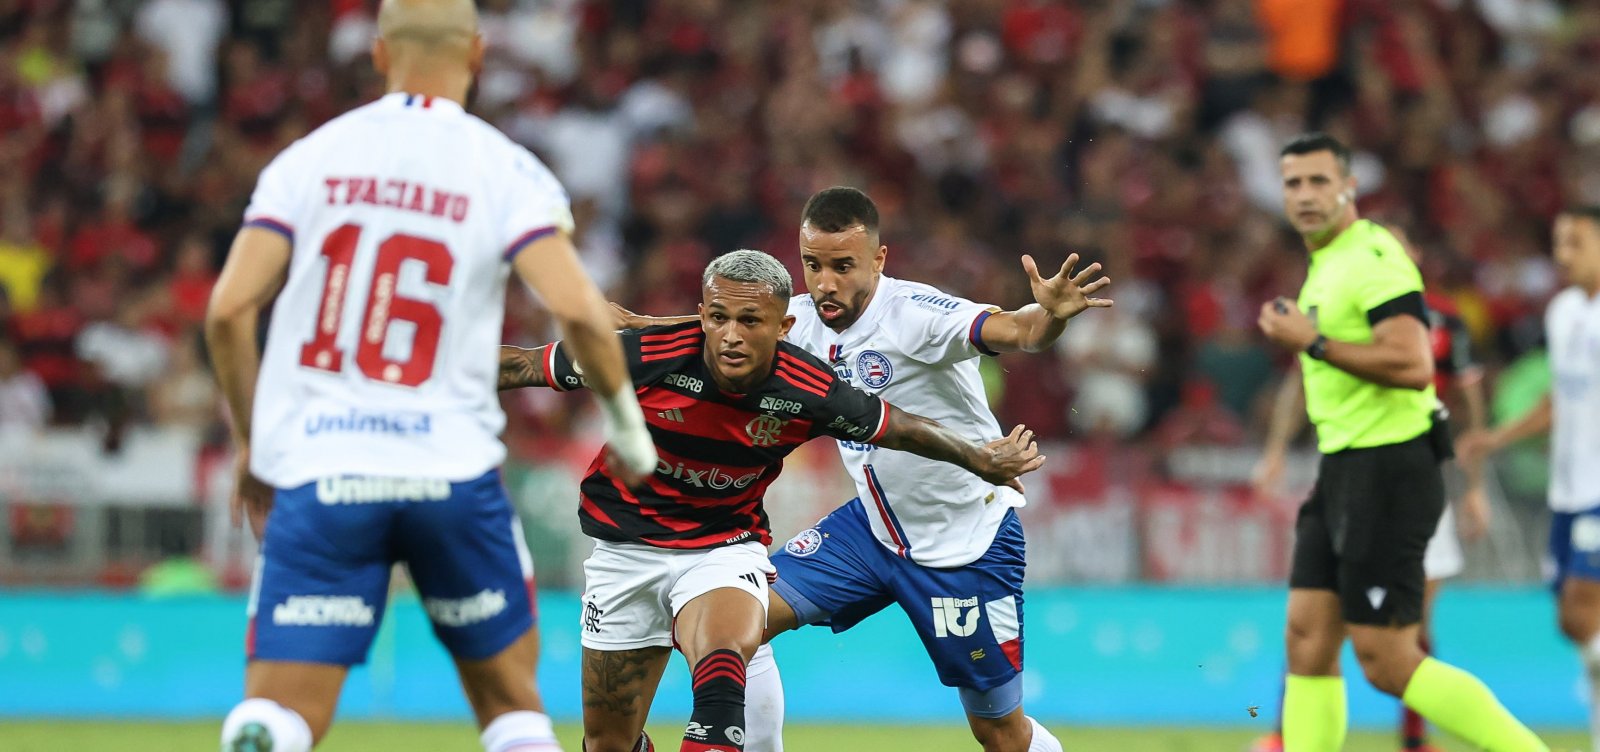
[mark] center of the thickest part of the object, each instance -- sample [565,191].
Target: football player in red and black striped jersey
[726,400]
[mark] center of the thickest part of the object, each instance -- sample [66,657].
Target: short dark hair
[1315,141]
[834,209]
[1590,212]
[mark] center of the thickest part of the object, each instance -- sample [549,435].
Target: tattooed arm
[520,367]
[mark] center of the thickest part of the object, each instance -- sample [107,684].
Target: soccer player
[682,560]
[1360,538]
[367,431]
[1571,415]
[1454,372]
[944,545]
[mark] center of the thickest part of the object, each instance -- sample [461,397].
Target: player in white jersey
[945,546]
[1571,413]
[367,431]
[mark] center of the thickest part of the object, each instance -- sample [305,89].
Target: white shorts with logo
[632,592]
[1443,558]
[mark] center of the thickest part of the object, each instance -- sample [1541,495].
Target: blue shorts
[969,617]
[1575,546]
[322,579]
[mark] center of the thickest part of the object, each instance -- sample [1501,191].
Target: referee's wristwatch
[1318,349]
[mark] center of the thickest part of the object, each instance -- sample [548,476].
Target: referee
[1359,540]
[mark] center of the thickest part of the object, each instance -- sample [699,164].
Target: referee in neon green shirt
[1359,540]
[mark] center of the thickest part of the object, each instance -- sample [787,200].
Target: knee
[1009,734]
[1578,627]
[1313,650]
[1385,670]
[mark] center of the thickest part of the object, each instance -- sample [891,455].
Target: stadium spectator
[24,403]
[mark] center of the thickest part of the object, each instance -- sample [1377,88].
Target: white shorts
[632,593]
[1443,558]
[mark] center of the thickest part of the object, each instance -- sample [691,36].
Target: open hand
[622,318]
[1066,294]
[1012,456]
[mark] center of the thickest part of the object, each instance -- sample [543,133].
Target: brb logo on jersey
[804,544]
[764,430]
[874,369]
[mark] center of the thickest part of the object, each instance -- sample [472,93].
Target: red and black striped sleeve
[835,408]
[649,353]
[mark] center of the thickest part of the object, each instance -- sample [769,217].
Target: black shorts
[1363,532]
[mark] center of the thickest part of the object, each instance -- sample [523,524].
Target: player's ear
[700,310]
[475,55]
[784,326]
[380,56]
[878,260]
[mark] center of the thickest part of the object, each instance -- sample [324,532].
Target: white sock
[763,703]
[519,731]
[286,730]
[1591,665]
[1043,741]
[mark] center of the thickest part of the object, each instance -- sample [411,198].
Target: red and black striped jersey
[1450,342]
[719,451]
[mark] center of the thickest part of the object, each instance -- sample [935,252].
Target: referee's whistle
[1280,305]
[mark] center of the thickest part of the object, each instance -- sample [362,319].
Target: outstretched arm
[520,367]
[1036,326]
[623,318]
[999,462]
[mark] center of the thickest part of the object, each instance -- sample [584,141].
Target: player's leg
[472,569]
[1413,728]
[314,608]
[1314,714]
[1575,541]
[969,619]
[826,576]
[1381,592]
[1442,561]
[720,609]
[626,632]
[618,688]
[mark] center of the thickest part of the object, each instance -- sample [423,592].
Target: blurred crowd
[1142,134]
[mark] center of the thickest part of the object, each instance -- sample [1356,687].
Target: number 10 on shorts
[955,617]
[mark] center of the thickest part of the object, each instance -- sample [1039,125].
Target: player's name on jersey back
[396,193]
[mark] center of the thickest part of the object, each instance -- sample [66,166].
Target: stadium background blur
[1140,133]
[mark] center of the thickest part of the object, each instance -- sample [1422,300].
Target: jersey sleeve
[278,199]
[536,204]
[849,414]
[564,374]
[1459,361]
[939,329]
[1393,286]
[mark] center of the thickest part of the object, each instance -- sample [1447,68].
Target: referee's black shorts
[1363,532]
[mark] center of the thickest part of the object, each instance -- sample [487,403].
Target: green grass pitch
[52,736]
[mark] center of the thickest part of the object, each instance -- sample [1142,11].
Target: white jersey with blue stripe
[1572,327]
[917,348]
[381,355]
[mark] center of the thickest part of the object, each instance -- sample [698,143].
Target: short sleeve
[849,414]
[536,205]
[1391,280]
[941,329]
[277,201]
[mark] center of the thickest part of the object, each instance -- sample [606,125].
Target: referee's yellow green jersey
[1359,279]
